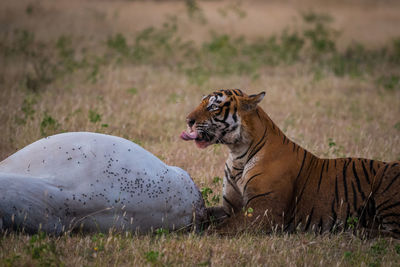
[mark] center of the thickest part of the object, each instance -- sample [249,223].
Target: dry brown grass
[196,250]
[357,114]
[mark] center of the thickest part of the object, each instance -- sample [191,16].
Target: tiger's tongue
[192,136]
[188,136]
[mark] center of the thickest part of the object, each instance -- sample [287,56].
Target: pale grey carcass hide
[94,182]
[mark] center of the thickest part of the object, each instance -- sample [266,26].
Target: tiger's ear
[250,103]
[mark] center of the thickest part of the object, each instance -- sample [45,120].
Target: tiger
[270,182]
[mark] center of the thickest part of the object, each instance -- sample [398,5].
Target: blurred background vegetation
[331,70]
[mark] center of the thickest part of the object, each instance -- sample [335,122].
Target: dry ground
[330,115]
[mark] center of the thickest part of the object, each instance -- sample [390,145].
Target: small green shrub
[29,9]
[209,197]
[194,12]
[152,256]
[132,91]
[390,82]
[395,57]
[335,149]
[98,240]
[48,125]
[94,116]
[66,55]
[352,222]
[43,250]
[216,180]
[397,126]
[161,231]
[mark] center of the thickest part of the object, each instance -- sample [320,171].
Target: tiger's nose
[190,122]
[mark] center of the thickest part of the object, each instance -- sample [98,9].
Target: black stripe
[294,146]
[383,203]
[244,154]
[371,164]
[239,174]
[320,224]
[358,182]
[365,172]
[390,184]
[298,198]
[257,196]
[383,174]
[226,112]
[371,208]
[284,139]
[327,165]
[229,171]
[345,181]
[251,178]
[335,163]
[354,196]
[227,201]
[235,92]
[302,165]
[236,168]
[393,222]
[320,176]
[219,112]
[256,146]
[262,138]
[234,116]
[309,219]
[371,167]
[258,115]
[234,186]
[226,104]
[225,115]
[390,206]
[255,152]
[226,174]
[391,215]
[311,164]
[395,231]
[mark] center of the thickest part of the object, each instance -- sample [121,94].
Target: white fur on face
[215,100]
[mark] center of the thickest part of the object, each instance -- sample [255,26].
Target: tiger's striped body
[284,184]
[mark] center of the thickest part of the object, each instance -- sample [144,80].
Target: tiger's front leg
[265,210]
[232,204]
[259,214]
[264,205]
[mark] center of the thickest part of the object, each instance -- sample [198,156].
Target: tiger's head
[221,118]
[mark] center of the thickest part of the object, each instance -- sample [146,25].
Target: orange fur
[272,182]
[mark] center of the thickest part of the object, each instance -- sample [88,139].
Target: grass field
[331,71]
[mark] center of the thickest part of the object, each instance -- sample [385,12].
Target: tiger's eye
[214,107]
